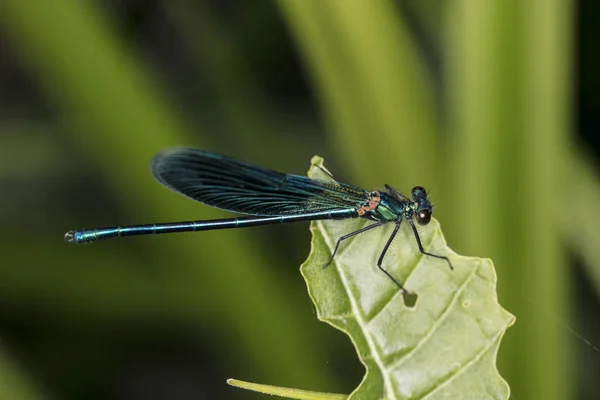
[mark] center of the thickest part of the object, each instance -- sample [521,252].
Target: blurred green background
[493,105]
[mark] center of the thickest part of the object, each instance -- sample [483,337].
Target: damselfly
[270,197]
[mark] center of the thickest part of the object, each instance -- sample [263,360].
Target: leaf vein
[466,366]
[359,319]
[438,322]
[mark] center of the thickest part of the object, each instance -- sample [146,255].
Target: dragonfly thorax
[393,206]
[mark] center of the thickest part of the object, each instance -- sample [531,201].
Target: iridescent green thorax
[391,208]
[392,205]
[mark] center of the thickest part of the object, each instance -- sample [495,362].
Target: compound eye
[423,217]
[418,192]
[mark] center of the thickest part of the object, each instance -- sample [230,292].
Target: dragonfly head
[422,205]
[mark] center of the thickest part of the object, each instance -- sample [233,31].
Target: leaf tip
[316,160]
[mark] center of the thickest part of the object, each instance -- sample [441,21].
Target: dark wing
[224,182]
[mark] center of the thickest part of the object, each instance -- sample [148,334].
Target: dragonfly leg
[414,228]
[382,255]
[349,235]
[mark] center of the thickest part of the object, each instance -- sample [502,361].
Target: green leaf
[444,346]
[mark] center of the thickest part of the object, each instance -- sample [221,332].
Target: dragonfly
[268,197]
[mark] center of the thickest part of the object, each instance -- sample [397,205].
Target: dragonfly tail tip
[70,237]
